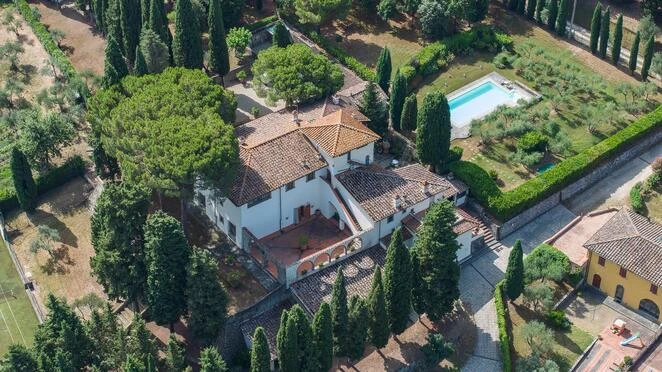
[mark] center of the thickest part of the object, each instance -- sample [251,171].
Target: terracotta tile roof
[358,270]
[464,222]
[339,132]
[270,321]
[375,189]
[632,241]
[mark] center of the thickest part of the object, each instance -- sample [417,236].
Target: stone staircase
[490,241]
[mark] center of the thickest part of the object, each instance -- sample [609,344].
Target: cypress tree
[553,13]
[417,295]
[158,21]
[358,322]
[618,39]
[433,130]
[139,66]
[113,23]
[515,272]
[596,21]
[260,356]
[219,59]
[131,24]
[409,113]
[187,43]
[280,335]
[540,6]
[512,4]
[384,69]
[562,19]
[398,95]
[306,350]
[288,357]
[281,36]
[99,11]
[374,109]
[26,189]
[634,53]
[144,13]
[378,329]
[323,334]
[531,9]
[211,361]
[521,7]
[20,359]
[604,33]
[436,247]
[648,57]
[397,283]
[114,65]
[339,314]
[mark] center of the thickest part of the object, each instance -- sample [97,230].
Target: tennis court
[17,318]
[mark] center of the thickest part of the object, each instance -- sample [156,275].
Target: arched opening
[305,268]
[596,280]
[649,307]
[338,251]
[618,296]
[322,259]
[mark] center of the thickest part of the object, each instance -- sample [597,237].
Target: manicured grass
[568,345]
[17,318]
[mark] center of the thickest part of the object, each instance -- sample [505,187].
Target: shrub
[455,154]
[558,319]
[547,263]
[657,165]
[234,279]
[261,23]
[437,349]
[636,200]
[493,174]
[533,142]
[350,62]
[408,71]
[481,185]
[503,324]
[255,111]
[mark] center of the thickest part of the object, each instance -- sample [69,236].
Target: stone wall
[527,216]
[231,340]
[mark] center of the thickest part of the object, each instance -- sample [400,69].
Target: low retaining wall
[583,356]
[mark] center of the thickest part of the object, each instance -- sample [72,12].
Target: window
[232,230]
[310,177]
[289,186]
[404,211]
[389,219]
[601,261]
[367,159]
[259,200]
[623,272]
[349,156]
[653,289]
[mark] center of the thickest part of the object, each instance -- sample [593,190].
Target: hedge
[350,62]
[636,200]
[57,176]
[502,322]
[505,205]
[262,22]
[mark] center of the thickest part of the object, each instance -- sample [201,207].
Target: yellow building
[625,262]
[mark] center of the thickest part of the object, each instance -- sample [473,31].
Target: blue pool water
[478,102]
[545,168]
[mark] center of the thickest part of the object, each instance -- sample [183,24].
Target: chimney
[426,187]
[242,140]
[335,99]
[304,163]
[397,202]
[295,117]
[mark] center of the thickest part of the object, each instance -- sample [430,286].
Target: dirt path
[84,46]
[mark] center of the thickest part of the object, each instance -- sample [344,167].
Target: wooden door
[596,280]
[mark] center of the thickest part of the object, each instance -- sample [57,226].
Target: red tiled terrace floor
[322,233]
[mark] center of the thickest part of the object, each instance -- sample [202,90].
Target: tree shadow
[58,261]
[41,217]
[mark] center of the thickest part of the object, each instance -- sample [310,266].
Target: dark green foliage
[417,293]
[455,154]
[532,142]
[339,315]
[504,331]
[258,4]
[219,58]
[187,42]
[476,10]
[114,64]
[211,361]
[397,283]
[521,6]
[19,359]
[512,4]
[280,336]
[175,356]
[409,113]
[562,19]
[113,22]
[139,66]
[154,51]
[437,349]
[540,6]
[547,263]
[558,319]
[398,95]
[98,11]
[323,333]
[515,272]
[158,21]
[281,37]
[259,23]
[288,357]
[634,53]
[618,39]
[167,255]
[384,69]
[24,185]
[636,200]
[306,351]
[378,327]
[117,238]
[648,58]
[373,107]
[604,33]
[433,130]
[232,12]
[436,247]
[144,12]
[553,9]
[260,357]
[358,327]
[131,23]
[531,9]
[596,21]
[207,299]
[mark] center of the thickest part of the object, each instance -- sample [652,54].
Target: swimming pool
[479,101]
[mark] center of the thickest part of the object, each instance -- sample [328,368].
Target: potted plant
[242,76]
[303,242]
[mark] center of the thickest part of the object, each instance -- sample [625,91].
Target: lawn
[17,318]
[67,272]
[568,345]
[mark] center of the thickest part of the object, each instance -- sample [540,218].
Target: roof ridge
[295,129]
[336,141]
[612,240]
[368,132]
[243,179]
